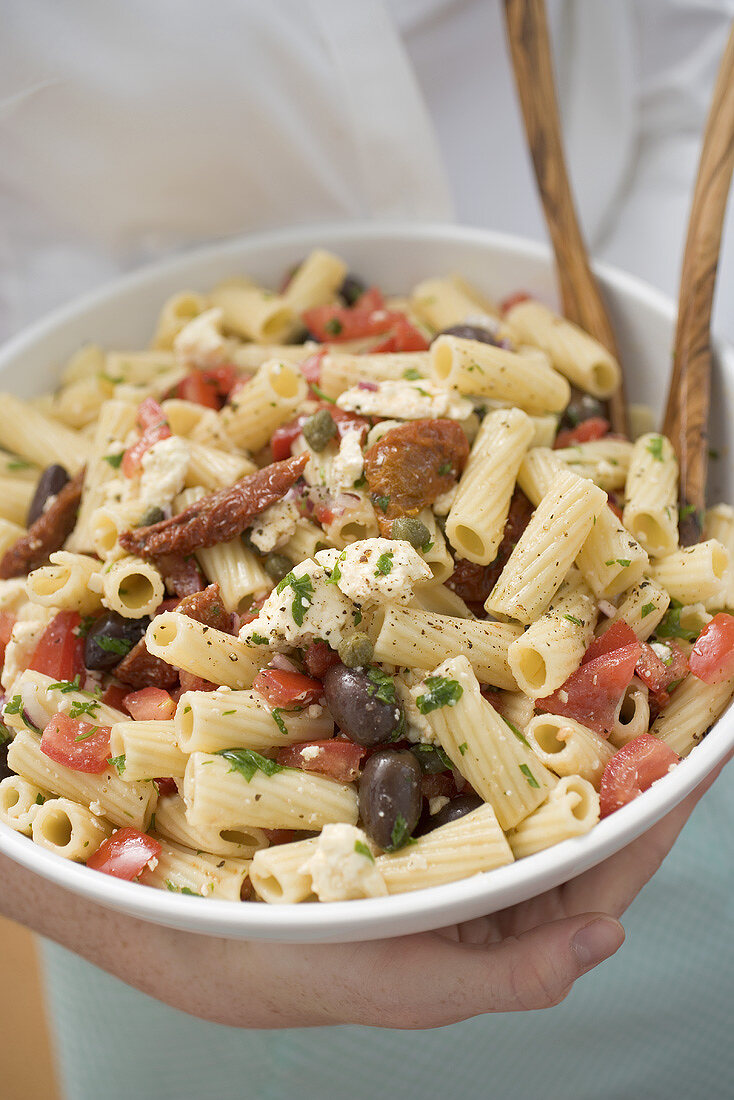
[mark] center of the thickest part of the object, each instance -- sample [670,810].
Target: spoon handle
[687,410]
[527,31]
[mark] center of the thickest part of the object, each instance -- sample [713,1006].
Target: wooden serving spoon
[687,411]
[527,31]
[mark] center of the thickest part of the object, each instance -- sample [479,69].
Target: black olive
[582,406]
[471,332]
[111,638]
[50,483]
[390,797]
[458,807]
[351,289]
[362,703]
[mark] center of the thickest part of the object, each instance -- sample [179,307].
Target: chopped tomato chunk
[310,368]
[659,674]
[514,300]
[114,696]
[60,651]
[633,769]
[318,657]
[282,688]
[81,746]
[402,337]
[712,657]
[284,437]
[125,854]
[596,427]
[195,387]
[151,704]
[336,758]
[152,421]
[619,634]
[367,317]
[593,693]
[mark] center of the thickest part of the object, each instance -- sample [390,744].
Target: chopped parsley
[18,464]
[646,609]
[259,639]
[444,469]
[121,646]
[303,594]
[78,708]
[320,393]
[336,573]
[463,747]
[86,736]
[4,734]
[655,447]
[85,625]
[117,762]
[624,562]
[532,781]
[187,708]
[520,736]
[278,719]
[400,835]
[412,375]
[441,692]
[384,564]
[382,686]
[39,799]
[361,848]
[670,625]
[382,503]
[360,482]
[115,461]
[65,686]
[15,706]
[573,619]
[247,762]
[431,758]
[333,326]
[181,889]
[226,712]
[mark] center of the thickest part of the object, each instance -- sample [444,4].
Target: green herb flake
[427,754]
[336,573]
[78,708]
[121,646]
[463,747]
[86,736]
[320,393]
[400,835]
[624,562]
[532,781]
[360,482]
[226,712]
[187,708]
[5,734]
[384,564]
[646,609]
[444,469]
[333,326]
[441,692]
[247,762]
[181,889]
[670,625]
[259,639]
[117,762]
[573,619]
[39,799]
[115,461]
[518,734]
[303,594]
[382,686]
[412,375]
[15,706]
[361,849]
[278,719]
[382,502]
[85,625]
[18,464]
[655,447]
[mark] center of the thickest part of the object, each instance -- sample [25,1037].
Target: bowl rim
[420,910]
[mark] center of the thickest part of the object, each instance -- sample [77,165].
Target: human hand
[525,957]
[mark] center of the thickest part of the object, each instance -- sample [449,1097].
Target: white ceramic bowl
[395,256]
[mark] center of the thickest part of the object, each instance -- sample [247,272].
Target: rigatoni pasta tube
[572,809]
[551,648]
[68,829]
[719,524]
[19,803]
[582,359]
[253,313]
[9,534]
[41,701]
[179,869]
[444,302]
[610,559]
[651,495]
[65,583]
[604,461]
[201,650]
[268,400]
[149,749]
[123,803]
[216,793]
[633,715]
[341,371]
[116,419]
[437,556]
[214,468]
[171,822]
[437,599]
[536,473]
[568,748]
[15,497]
[472,367]
[207,721]
[694,573]
[500,764]
[642,608]
[419,639]
[315,281]
[693,708]
[464,847]
[277,874]
[130,586]
[476,522]
[176,313]
[107,523]
[237,571]
[27,432]
[547,547]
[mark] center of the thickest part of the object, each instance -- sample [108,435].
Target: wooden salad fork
[527,31]
[687,410]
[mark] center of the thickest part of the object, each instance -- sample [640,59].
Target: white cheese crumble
[275,525]
[200,343]
[406,401]
[323,610]
[339,867]
[12,593]
[348,464]
[165,467]
[373,571]
[437,803]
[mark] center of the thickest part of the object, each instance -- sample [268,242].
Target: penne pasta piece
[315,282]
[471,367]
[253,313]
[277,873]
[146,750]
[201,650]
[651,495]
[567,747]
[694,573]
[207,721]
[68,829]
[171,822]
[270,399]
[572,809]
[692,710]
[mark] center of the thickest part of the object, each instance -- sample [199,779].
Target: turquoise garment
[653,1023]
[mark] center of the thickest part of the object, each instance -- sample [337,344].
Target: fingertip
[597,940]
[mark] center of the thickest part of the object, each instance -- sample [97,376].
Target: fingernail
[597,941]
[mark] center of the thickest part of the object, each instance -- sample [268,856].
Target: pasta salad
[328,595]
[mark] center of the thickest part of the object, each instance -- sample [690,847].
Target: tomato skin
[336,758]
[282,688]
[81,746]
[60,651]
[712,657]
[310,368]
[166,785]
[657,675]
[619,634]
[596,427]
[514,300]
[152,421]
[403,337]
[195,387]
[150,704]
[632,770]
[318,657]
[593,692]
[124,854]
[284,437]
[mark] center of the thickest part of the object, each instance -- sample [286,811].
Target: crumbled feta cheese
[376,570]
[406,401]
[310,752]
[97,808]
[275,525]
[664,652]
[165,467]
[437,803]
[200,343]
[348,464]
[307,607]
[12,594]
[339,867]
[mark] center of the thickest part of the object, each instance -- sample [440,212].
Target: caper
[277,566]
[412,530]
[151,515]
[319,429]
[356,650]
